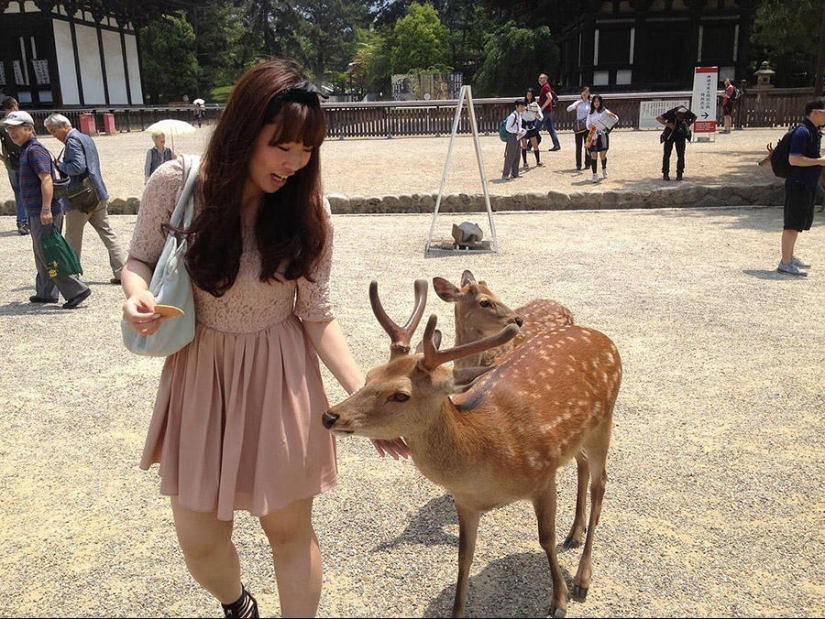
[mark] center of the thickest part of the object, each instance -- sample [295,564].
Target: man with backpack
[514,133]
[800,186]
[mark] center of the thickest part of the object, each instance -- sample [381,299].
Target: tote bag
[59,256]
[170,283]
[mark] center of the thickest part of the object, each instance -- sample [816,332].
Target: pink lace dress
[237,420]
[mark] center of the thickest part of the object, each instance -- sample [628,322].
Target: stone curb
[688,196]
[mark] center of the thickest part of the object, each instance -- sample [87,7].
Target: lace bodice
[250,305]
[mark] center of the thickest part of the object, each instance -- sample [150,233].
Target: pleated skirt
[237,422]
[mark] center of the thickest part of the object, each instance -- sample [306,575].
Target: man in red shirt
[546,105]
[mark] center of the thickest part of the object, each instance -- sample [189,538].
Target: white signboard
[649,110]
[705,80]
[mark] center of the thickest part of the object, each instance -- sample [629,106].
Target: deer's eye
[485,304]
[399,397]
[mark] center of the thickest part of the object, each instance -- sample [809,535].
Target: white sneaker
[797,262]
[595,178]
[791,269]
[604,173]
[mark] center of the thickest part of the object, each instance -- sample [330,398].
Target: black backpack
[736,94]
[779,157]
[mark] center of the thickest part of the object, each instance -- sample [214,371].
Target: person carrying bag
[82,196]
[59,256]
[171,284]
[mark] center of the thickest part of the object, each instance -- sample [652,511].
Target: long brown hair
[291,229]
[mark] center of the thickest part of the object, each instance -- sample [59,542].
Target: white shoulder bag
[170,283]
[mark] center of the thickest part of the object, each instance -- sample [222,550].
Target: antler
[400,336]
[434,357]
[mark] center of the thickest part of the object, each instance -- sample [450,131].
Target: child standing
[530,122]
[582,108]
[514,134]
[598,120]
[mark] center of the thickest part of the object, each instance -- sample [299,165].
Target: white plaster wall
[65,62]
[91,73]
[115,73]
[134,69]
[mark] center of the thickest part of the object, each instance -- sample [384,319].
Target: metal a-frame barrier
[446,247]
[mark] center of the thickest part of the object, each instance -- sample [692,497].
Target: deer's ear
[445,290]
[436,340]
[464,378]
[467,277]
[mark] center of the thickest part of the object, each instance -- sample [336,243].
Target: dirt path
[714,503]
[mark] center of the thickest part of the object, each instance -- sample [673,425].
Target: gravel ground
[407,166]
[711,509]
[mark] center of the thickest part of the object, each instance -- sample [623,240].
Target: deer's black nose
[329,419]
[519,321]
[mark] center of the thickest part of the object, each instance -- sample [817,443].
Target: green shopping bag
[59,256]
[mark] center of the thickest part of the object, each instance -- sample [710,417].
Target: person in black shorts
[800,186]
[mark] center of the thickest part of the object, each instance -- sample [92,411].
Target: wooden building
[64,54]
[640,45]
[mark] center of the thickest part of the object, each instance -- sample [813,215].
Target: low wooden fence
[387,119]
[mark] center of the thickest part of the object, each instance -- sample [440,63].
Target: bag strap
[183,209]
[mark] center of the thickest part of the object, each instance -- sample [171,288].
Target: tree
[420,41]
[272,28]
[371,62]
[223,50]
[170,66]
[469,24]
[513,59]
[787,34]
[327,32]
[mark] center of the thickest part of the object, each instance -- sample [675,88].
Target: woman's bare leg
[297,558]
[210,555]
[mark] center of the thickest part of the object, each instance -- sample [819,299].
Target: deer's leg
[467,533]
[574,538]
[597,458]
[545,507]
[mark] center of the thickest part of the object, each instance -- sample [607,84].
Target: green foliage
[224,49]
[513,59]
[469,24]
[371,67]
[328,30]
[219,94]
[420,41]
[787,34]
[170,66]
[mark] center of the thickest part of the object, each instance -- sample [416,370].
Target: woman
[236,423]
[600,120]
[582,108]
[530,121]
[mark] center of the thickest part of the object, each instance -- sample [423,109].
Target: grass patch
[219,94]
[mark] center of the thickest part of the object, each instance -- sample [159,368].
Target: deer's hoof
[579,593]
[572,542]
[557,612]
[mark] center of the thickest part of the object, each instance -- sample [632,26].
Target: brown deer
[502,439]
[479,313]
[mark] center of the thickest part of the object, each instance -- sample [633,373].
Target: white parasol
[171,127]
[198,102]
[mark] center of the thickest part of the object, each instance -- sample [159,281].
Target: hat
[18,118]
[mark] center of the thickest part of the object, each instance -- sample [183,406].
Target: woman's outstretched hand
[396,448]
